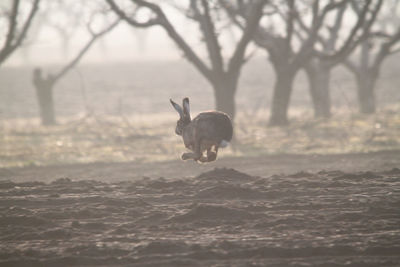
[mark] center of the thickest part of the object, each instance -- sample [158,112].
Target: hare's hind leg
[190,155]
[197,155]
[212,155]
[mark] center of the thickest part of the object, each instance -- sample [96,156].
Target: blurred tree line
[311,35]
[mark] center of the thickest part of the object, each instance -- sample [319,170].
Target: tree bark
[366,94]
[46,104]
[224,92]
[319,80]
[44,92]
[281,98]
[366,77]
[15,35]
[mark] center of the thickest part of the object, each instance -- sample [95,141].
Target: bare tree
[44,85]
[63,17]
[72,11]
[319,68]
[381,44]
[319,71]
[15,34]
[292,49]
[222,75]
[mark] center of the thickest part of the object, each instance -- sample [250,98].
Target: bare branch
[307,47]
[232,13]
[385,49]
[12,25]
[163,21]
[334,30]
[345,49]
[210,36]
[315,9]
[352,41]
[14,40]
[27,23]
[250,29]
[82,52]
[300,23]
[130,20]
[290,25]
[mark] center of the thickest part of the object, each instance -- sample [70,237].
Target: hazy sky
[124,43]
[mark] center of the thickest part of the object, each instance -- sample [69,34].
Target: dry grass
[344,133]
[94,138]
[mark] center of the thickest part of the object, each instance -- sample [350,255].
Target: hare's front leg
[188,155]
[197,155]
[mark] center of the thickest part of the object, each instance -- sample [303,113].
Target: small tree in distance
[318,71]
[328,56]
[382,43]
[15,35]
[223,76]
[44,85]
[290,42]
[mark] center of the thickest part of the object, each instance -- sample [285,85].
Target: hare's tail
[223,144]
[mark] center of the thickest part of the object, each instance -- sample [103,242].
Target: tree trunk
[46,104]
[44,92]
[366,80]
[224,91]
[366,94]
[281,98]
[319,81]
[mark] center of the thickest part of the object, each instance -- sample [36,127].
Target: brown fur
[204,133]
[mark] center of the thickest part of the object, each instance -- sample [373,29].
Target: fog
[124,44]
[199,133]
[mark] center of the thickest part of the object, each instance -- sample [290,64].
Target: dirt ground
[283,210]
[256,166]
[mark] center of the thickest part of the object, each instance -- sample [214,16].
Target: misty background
[129,72]
[91,170]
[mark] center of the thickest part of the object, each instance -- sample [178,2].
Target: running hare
[208,131]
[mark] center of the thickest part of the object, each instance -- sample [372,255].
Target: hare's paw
[203,159]
[211,156]
[186,156]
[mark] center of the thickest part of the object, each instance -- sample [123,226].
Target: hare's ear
[177,108]
[186,107]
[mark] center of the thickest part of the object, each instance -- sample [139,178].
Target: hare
[208,131]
